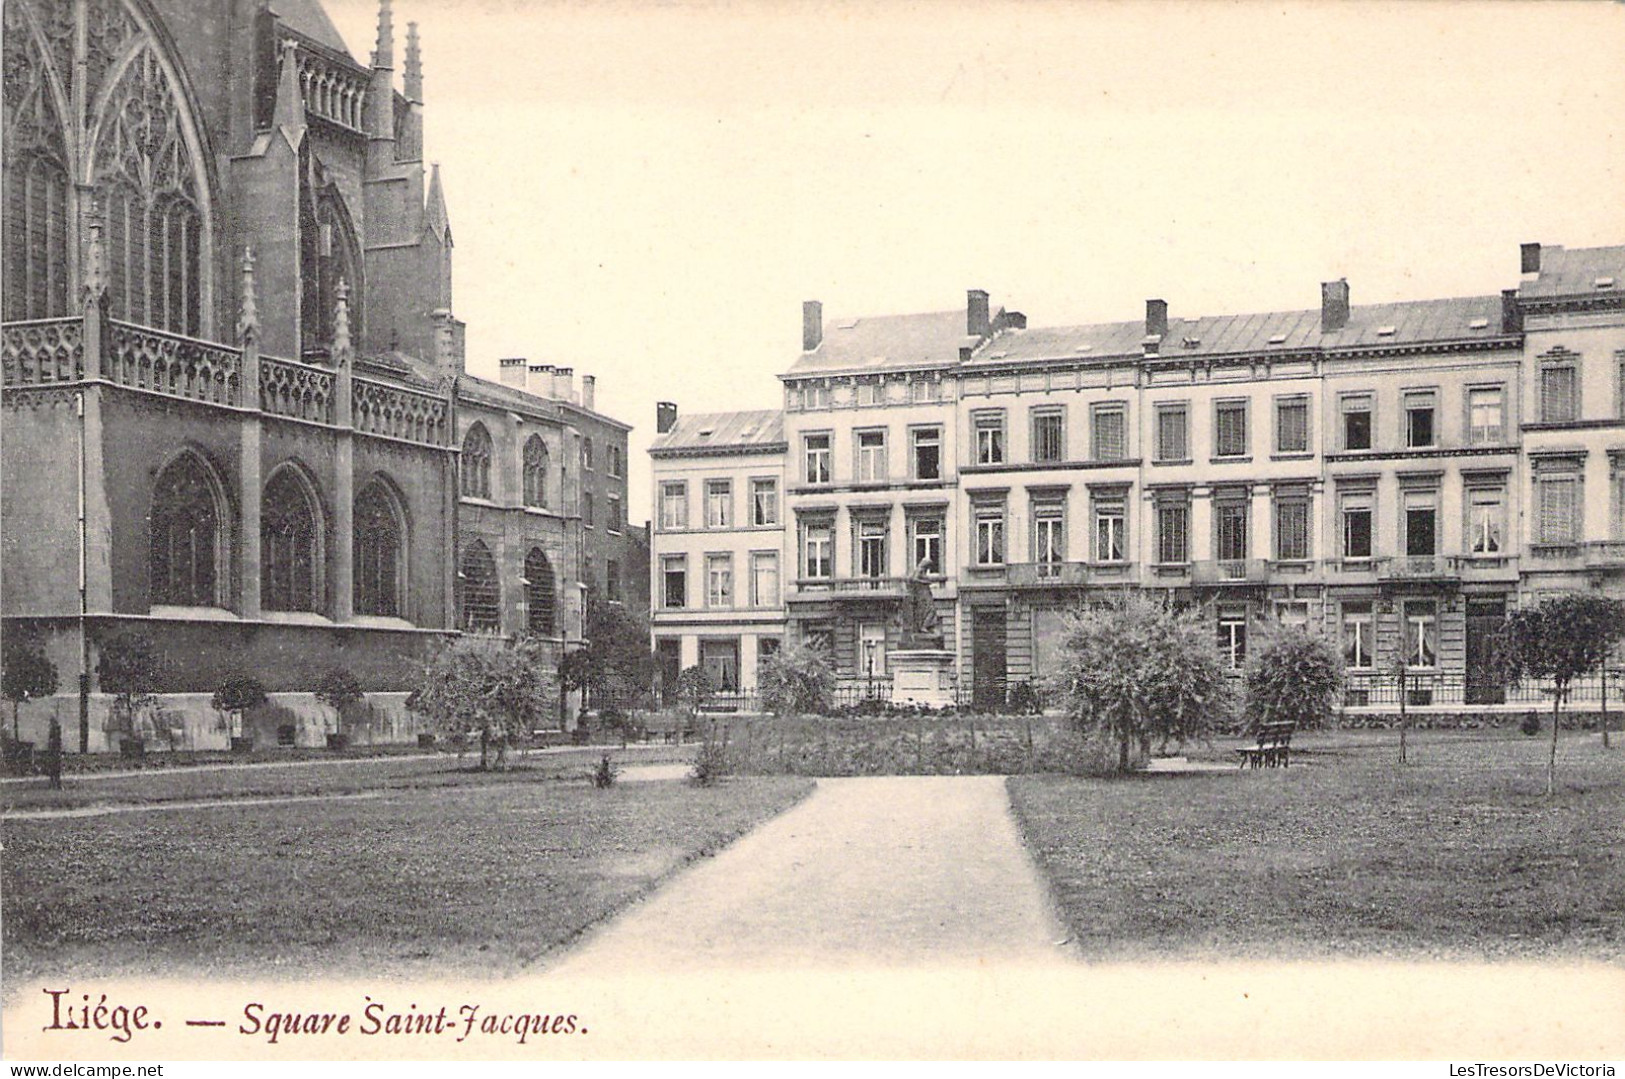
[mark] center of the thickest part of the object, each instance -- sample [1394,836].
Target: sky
[648,191]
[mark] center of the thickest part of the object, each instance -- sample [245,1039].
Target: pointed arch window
[378,553]
[328,253]
[480,598]
[291,545]
[476,464]
[535,471]
[540,616]
[188,536]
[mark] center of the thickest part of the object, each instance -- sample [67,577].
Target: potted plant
[339,690]
[237,694]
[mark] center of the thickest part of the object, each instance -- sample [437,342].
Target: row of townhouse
[1400,475]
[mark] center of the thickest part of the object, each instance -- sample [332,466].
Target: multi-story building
[718,553]
[1400,475]
[229,338]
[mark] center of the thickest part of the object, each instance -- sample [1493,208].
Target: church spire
[383,56]
[414,65]
[248,319]
[381,92]
[435,218]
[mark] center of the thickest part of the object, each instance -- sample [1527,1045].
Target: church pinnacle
[414,65]
[383,56]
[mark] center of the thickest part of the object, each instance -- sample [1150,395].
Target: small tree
[26,674]
[339,689]
[1134,669]
[497,692]
[694,688]
[237,695]
[132,669]
[1561,640]
[796,680]
[616,656]
[1294,677]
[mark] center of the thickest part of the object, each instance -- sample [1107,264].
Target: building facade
[1399,475]
[237,415]
[718,545]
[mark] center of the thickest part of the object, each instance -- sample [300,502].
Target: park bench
[1272,748]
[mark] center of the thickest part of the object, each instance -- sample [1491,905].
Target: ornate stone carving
[396,413]
[172,365]
[35,353]
[296,389]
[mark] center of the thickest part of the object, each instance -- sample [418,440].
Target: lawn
[310,777]
[1456,855]
[472,879]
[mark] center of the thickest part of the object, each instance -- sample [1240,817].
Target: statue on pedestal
[920,626]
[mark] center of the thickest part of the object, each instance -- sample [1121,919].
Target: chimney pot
[665,416]
[977,323]
[539,379]
[589,392]
[1530,258]
[564,380]
[1511,313]
[512,371]
[1334,304]
[1156,318]
[812,325]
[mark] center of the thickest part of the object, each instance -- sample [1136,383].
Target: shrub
[340,690]
[606,773]
[796,680]
[1294,677]
[25,673]
[131,668]
[711,764]
[1022,699]
[694,687]
[237,694]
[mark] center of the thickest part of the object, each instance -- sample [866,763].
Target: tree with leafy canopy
[26,674]
[1134,669]
[339,689]
[798,679]
[237,695]
[131,668]
[497,692]
[616,654]
[1293,676]
[694,687]
[1560,640]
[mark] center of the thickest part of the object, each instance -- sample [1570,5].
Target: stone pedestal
[922,676]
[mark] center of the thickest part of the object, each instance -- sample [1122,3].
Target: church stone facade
[237,416]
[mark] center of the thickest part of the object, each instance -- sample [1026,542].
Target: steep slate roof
[723,430]
[1575,273]
[307,17]
[885,342]
[1410,323]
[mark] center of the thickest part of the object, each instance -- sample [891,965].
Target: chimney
[665,416]
[512,371]
[1156,318]
[539,379]
[1334,304]
[589,391]
[1511,313]
[564,381]
[812,325]
[976,317]
[1531,258]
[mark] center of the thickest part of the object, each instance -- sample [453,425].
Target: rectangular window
[1357,636]
[1049,533]
[815,396]
[588,517]
[1292,425]
[1111,531]
[818,549]
[719,580]
[869,393]
[1421,406]
[816,449]
[871,456]
[614,522]
[1173,433]
[990,535]
[1559,393]
[872,548]
[764,502]
[990,438]
[1292,529]
[1558,507]
[764,579]
[923,391]
[1357,422]
[1049,435]
[1230,429]
[1486,520]
[674,572]
[1173,533]
[612,580]
[586,454]
[927,544]
[1233,639]
[927,451]
[872,649]
[1484,416]
[719,501]
[1421,633]
[1421,523]
[1109,435]
[1357,526]
[673,505]
[1230,525]
[617,462]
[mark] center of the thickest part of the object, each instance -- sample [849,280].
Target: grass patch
[472,880]
[314,777]
[1457,855]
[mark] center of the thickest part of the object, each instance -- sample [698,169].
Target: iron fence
[1424,689]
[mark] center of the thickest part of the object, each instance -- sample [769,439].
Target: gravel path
[893,872]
